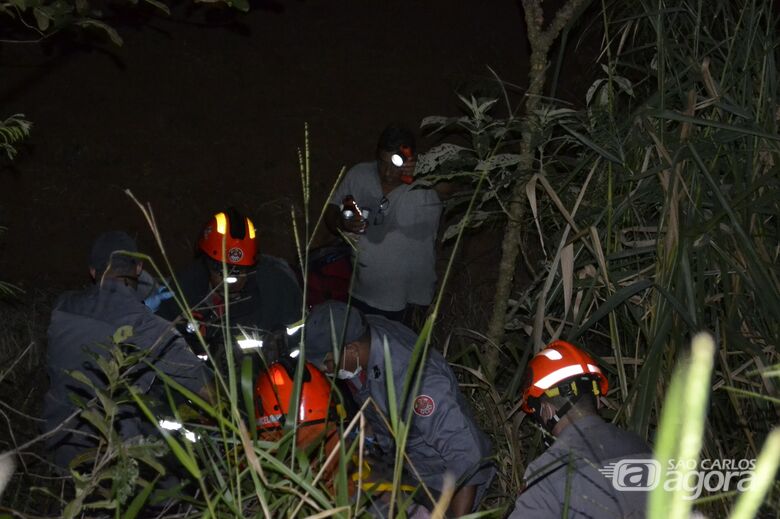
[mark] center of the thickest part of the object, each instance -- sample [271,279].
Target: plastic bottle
[350,210]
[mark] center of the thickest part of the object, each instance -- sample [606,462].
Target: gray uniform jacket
[570,468]
[443,436]
[80,322]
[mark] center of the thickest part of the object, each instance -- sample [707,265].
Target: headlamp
[399,159]
[231,279]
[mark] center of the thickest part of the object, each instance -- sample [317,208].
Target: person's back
[565,481]
[563,386]
[82,327]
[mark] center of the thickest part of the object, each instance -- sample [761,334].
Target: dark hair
[395,136]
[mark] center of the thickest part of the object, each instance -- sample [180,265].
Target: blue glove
[154,300]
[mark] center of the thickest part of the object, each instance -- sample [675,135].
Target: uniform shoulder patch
[424,405]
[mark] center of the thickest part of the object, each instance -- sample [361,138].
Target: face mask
[343,374]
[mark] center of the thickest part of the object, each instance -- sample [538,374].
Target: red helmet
[238,234]
[558,363]
[274,390]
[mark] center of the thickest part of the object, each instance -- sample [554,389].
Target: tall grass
[654,216]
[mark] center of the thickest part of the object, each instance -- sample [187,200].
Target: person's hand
[161,294]
[354,225]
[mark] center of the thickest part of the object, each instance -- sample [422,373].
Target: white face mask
[343,374]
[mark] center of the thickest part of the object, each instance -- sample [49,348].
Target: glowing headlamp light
[230,279]
[397,160]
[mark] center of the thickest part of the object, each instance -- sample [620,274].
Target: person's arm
[451,433]
[172,355]
[332,218]
[445,190]
[462,501]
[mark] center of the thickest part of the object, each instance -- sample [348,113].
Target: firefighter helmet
[274,390]
[229,237]
[561,369]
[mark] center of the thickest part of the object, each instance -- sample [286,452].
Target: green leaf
[615,300]
[97,420]
[188,462]
[108,404]
[159,5]
[42,18]
[115,38]
[764,476]
[241,5]
[592,145]
[81,377]
[109,368]
[392,402]
[248,391]
[138,501]
[122,334]
[674,116]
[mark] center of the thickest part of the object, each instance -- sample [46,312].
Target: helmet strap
[573,392]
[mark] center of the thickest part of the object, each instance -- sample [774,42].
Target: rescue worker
[562,387]
[82,326]
[443,437]
[317,430]
[263,292]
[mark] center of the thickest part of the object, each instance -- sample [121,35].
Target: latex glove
[160,295]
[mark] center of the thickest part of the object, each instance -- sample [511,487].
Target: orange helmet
[559,363]
[237,231]
[274,391]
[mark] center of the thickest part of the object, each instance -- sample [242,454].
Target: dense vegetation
[644,217]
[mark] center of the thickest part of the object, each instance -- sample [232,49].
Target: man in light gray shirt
[396,234]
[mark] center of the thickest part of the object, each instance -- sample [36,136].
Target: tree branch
[561,20]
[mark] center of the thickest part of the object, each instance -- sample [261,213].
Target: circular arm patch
[424,405]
